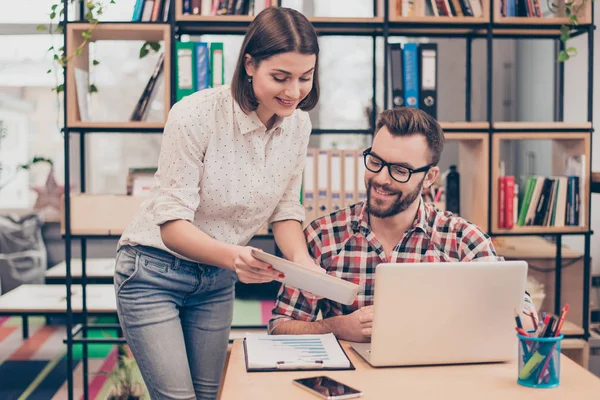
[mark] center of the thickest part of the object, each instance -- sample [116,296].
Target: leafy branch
[572,10]
[93,9]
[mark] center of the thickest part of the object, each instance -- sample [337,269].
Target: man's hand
[356,327]
[251,270]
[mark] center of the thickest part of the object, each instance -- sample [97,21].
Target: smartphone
[327,388]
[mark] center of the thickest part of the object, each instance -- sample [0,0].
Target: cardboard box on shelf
[106,214]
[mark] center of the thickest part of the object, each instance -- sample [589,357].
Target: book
[293,352]
[141,108]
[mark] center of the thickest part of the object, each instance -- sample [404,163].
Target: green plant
[571,11]
[126,385]
[93,9]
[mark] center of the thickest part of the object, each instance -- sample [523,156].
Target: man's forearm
[329,325]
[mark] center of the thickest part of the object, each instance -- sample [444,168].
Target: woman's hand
[251,270]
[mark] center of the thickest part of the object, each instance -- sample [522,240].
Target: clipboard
[299,367]
[319,284]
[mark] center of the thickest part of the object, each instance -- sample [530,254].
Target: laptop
[445,313]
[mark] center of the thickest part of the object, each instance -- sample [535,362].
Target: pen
[518,320]
[299,364]
[555,333]
[521,332]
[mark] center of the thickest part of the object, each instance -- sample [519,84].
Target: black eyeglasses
[398,172]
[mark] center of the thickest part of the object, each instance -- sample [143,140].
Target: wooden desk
[489,381]
[94,267]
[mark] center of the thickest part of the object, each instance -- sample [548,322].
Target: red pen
[522,332]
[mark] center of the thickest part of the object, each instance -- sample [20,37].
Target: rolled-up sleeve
[289,206]
[180,166]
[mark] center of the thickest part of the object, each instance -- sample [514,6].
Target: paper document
[294,352]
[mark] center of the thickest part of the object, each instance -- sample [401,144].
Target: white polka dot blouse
[222,170]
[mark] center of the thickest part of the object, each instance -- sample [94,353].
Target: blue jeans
[176,316]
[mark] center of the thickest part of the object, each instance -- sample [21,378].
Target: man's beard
[402,202]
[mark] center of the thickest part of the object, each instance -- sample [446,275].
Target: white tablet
[320,284]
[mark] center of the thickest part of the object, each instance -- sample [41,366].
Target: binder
[217,67]
[411,74]
[323,187]
[429,78]
[276,355]
[336,178]
[202,66]
[397,78]
[349,172]
[185,65]
[137,11]
[308,187]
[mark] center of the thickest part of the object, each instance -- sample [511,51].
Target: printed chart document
[291,352]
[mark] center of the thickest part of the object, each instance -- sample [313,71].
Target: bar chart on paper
[302,351]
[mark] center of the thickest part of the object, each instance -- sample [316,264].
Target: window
[33,117]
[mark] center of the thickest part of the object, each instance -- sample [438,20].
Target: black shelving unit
[488,31]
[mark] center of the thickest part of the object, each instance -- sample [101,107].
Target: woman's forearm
[186,239]
[290,240]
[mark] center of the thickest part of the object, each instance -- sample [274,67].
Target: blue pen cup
[539,361]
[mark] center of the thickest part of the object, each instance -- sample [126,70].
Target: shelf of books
[197,16]
[513,12]
[78,70]
[537,203]
[440,11]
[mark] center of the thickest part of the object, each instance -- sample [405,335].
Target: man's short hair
[408,121]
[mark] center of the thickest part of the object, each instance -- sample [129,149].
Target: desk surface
[489,381]
[52,299]
[94,268]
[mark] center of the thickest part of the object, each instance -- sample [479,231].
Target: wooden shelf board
[541,125]
[536,21]
[217,18]
[569,328]
[114,125]
[532,247]
[441,20]
[518,135]
[123,31]
[473,136]
[483,126]
[368,20]
[573,344]
[524,33]
[542,229]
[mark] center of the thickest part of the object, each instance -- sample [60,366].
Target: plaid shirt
[345,246]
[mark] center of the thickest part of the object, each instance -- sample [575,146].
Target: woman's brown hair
[275,30]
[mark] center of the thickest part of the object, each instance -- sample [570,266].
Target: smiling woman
[231,160]
[277,70]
